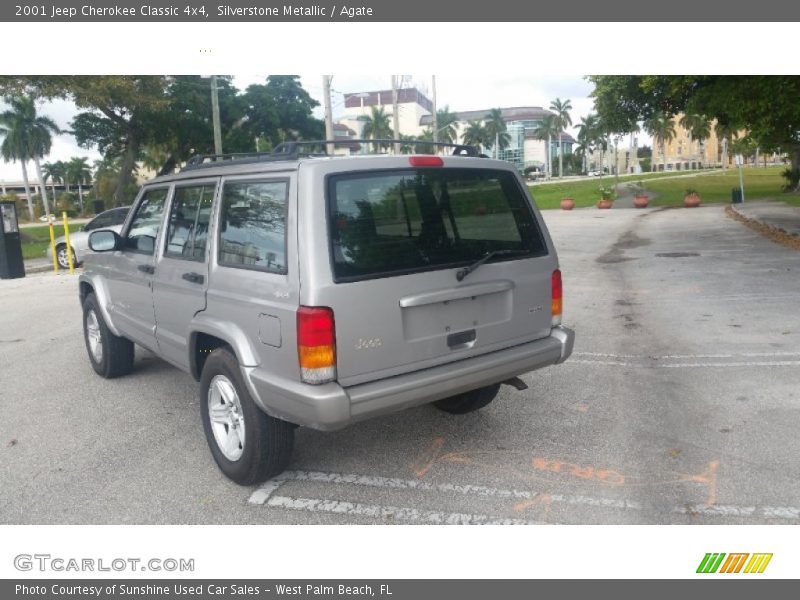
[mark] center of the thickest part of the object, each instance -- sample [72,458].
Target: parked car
[79,240]
[317,291]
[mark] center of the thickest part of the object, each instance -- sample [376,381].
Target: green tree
[765,106]
[27,136]
[662,128]
[377,125]
[562,121]
[281,110]
[78,172]
[475,135]
[54,171]
[725,134]
[587,132]
[698,126]
[545,132]
[447,122]
[496,131]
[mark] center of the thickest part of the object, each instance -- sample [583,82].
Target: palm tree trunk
[126,170]
[664,154]
[496,142]
[560,155]
[548,159]
[80,195]
[27,190]
[41,184]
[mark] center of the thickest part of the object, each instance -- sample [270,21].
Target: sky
[458,92]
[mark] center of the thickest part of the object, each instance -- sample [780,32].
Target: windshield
[391,222]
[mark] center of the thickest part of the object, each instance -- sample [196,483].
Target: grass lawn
[36,239]
[759,184]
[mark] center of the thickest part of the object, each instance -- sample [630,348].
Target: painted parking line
[689,361]
[390,513]
[373,481]
[688,356]
[267,495]
[697,365]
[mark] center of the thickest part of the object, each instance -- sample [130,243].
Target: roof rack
[293,150]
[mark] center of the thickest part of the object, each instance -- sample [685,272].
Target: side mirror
[104,241]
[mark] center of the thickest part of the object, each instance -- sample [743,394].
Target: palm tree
[377,125]
[447,123]
[27,137]
[587,133]
[562,120]
[545,132]
[78,171]
[725,133]
[698,126]
[475,135]
[55,172]
[496,130]
[13,150]
[662,128]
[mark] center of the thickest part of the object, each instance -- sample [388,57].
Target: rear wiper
[461,273]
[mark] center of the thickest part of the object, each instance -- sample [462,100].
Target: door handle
[194,277]
[147,269]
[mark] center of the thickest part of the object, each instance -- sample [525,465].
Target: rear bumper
[331,406]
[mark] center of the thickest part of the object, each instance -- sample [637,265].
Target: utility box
[11,265]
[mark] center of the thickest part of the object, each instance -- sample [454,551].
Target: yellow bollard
[50,220]
[69,246]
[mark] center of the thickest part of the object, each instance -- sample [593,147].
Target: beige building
[412,105]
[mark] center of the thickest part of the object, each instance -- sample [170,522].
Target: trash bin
[736,196]
[11,265]
[97,206]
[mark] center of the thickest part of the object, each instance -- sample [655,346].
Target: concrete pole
[215,116]
[435,124]
[395,115]
[326,94]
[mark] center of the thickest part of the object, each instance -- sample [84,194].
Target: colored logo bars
[734,563]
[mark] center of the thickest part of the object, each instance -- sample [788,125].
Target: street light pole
[326,93]
[215,116]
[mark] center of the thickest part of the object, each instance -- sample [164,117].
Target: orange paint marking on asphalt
[424,463]
[582,472]
[545,500]
[708,478]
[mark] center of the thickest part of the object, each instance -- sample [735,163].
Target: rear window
[393,222]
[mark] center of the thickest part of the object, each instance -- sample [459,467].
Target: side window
[118,216]
[99,222]
[253,225]
[146,223]
[188,222]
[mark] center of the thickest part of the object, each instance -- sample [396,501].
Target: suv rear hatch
[402,244]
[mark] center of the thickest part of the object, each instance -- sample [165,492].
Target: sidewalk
[776,214]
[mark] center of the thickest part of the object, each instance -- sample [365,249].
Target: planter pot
[641,201]
[567,204]
[691,200]
[605,203]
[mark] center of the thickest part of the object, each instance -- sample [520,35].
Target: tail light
[425,161]
[316,344]
[556,304]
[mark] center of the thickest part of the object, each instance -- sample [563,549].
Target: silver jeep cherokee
[316,290]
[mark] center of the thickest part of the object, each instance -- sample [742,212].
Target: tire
[111,356]
[248,445]
[63,260]
[468,402]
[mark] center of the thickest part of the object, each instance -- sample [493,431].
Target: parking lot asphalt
[680,404]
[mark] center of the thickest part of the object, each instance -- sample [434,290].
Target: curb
[776,234]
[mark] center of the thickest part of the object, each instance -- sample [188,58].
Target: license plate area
[451,317]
